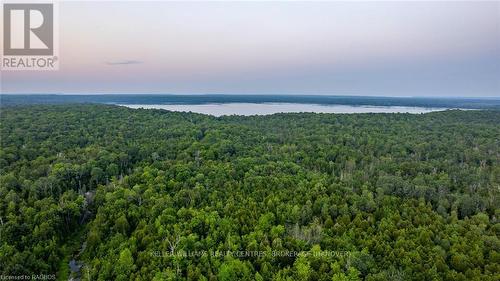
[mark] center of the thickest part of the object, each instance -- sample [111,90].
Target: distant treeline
[469,103]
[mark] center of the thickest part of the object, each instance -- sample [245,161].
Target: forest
[136,194]
[428,102]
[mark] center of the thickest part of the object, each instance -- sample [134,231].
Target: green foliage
[180,196]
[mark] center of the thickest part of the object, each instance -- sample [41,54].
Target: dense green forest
[135,194]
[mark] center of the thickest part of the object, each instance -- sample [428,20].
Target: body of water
[220,109]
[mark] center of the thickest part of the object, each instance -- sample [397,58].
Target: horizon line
[253,94]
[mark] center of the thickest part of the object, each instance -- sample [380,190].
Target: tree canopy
[160,195]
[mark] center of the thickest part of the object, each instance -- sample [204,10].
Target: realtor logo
[28,29]
[29,36]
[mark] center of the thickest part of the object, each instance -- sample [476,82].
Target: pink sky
[360,48]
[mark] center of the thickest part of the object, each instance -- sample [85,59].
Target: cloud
[123,62]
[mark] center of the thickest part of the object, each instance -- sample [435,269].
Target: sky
[309,48]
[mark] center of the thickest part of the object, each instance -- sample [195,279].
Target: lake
[220,109]
[264,103]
